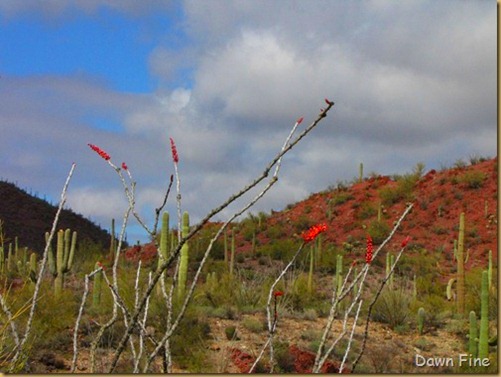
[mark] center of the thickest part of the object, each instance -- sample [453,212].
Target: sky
[412,81]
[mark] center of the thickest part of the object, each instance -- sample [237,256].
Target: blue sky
[413,81]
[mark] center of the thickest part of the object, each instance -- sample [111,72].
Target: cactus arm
[449,288]
[72,251]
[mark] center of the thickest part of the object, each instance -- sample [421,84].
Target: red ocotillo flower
[328,102]
[124,166]
[406,241]
[313,232]
[368,252]
[278,293]
[175,156]
[299,120]
[99,151]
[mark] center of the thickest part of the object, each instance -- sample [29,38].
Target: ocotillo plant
[473,335]
[183,265]
[483,339]
[460,267]
[64,257]
[420,320]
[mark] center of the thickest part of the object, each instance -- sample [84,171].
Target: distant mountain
[28,218]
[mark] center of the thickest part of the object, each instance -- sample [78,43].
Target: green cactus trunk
[310,273]
[361,172]
[420,320]
[58,281]
[163,252]
[489,270]
[339,273]
[232,257]
[183,266]
[460,268]
[483,340]
[473,336]
[66,243]
[225,248]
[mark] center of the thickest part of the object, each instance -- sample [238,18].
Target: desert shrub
[283,358]
[366,210]
[378,230]
[230,332]
[186,343]
[303,222]
[253,325]
[473,179]
[310,314]
[274,231]
[341,198]
[392,307]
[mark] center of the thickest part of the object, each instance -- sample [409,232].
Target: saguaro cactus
[232,257]
[473,336]
[64,257]
[339,272]
[163,249]
[460,267]
[183,265]
[360,172]
[420,320]
[310,273]
[483,340]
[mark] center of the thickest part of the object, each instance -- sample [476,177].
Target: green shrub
[366,210]
[231,333]
[378,230]
[473,179]
[253,325]
[392,307]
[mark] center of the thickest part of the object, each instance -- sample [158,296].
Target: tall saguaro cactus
[183,265]
[460,267]
[66,242]
[164,241]
[483,339]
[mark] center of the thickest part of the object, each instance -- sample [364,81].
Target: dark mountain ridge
[28,217]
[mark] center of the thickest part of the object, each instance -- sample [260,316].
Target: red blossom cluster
[175,156]
[299,120]
[99,151]
[278,293]
[124,166]
[313,232]
[406,241]
[368,252]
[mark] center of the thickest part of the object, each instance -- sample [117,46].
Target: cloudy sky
[413,81]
